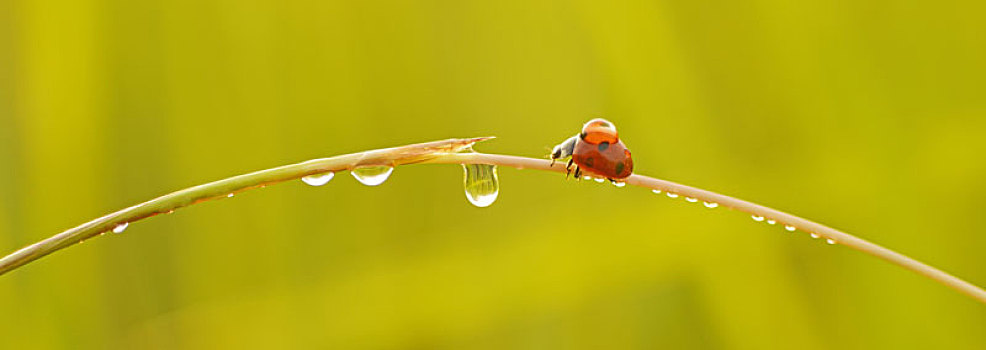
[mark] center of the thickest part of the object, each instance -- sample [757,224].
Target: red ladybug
[597,150]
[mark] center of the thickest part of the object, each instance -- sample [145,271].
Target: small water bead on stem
[672,195]
[619,184]
[691,200]
[587,177]
[120,228]
[599,179]
[814,235]
[372,175]
[757,218]
[711,205]
[230,195]
[830,241]
[318,179]
[771,221]
[656,191]
[481,184]
[789,228]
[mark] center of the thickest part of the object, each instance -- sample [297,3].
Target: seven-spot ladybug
[597,150]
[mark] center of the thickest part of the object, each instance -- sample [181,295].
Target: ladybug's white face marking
[565,149]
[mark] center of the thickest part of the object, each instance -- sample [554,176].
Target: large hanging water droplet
[372,175]
[120,228]
[318,179]
[481,184]
[757,218]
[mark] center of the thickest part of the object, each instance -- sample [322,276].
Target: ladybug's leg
[578,173]
[568,168]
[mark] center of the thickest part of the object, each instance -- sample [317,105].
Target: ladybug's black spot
[603,146]
[583,135]
[620,167]
[589,162]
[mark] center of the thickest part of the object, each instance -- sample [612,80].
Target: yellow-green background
[869,116]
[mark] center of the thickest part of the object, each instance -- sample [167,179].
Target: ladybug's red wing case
[607,160]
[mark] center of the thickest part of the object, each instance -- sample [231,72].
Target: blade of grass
[446,152]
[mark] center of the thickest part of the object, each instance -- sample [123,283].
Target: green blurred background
[867,116]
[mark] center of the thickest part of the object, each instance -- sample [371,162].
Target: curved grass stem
[446,152]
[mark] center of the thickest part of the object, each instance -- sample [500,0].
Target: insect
[597,150]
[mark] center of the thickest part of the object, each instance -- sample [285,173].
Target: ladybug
[597,150]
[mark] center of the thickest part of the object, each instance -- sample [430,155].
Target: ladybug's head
[599,130]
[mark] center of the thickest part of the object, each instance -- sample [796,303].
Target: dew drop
[318,179]
[656,191]
[711,205]
[789,228]
[372,175]
[587,177]
[771,221]
[757,218]
[481,184]
[830,241]
[599,179]
[814,235]
[121,227]
[619,183]
[691,200]
[672,195]
[230,195]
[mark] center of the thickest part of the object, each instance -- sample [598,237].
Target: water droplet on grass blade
[789,228]
[481,184]
[121,227]
[711,205]
[757,218]
[318,179]
[372,175]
